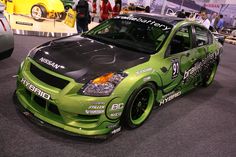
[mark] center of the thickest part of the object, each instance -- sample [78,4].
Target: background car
[6,36]
[39,10]
[114,74]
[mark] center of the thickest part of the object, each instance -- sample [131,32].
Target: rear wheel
[209,74]
[139,106]
[38,13]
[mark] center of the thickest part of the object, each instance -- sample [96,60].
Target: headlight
[104,85]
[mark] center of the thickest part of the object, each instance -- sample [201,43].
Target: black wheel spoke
[140,105]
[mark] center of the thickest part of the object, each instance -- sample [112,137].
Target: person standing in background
[214,21]
[204,19]
[83,17]
[116,9]
[220,24]
[105,10]
[94,9]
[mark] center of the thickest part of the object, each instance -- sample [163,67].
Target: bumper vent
[48,78]
[43,103]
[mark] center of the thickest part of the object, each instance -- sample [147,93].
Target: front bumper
[41,123]
[65,109]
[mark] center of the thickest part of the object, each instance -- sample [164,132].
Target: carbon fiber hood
[84,59]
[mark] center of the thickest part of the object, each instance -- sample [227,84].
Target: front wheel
[139,106]
[38,13]
[209,74]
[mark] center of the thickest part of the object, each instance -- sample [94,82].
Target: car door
[203,41]
[202,47]
[178,59]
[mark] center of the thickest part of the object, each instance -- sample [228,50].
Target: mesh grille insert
[48,78]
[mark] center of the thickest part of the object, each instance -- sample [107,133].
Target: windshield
[138,34]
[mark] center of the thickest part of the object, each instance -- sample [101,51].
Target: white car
[6,36]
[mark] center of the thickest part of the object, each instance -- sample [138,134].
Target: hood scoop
[103,59]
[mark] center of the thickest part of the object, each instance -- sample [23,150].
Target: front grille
[47,78]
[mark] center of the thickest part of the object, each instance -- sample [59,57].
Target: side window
[201,36]
[181,41]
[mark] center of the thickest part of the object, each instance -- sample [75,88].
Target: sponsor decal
[145,21]
[51,63]
[98,103]
[146,79]
[119,106]
[96,107]
[175,68]
[117,114]
[168,97]
[35,90]
[112,126]
[143,71]
[116,130]
[94,112]
[198,67]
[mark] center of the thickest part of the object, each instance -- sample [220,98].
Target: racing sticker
[35,90]
[199,66]
[170,96]
[175,68]
[154,23]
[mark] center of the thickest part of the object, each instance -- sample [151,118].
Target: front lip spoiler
[46,125]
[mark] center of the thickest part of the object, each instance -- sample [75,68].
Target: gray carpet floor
[199,124]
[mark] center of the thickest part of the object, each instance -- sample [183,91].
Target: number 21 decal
[175,68]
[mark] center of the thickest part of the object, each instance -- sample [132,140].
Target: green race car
[112,76]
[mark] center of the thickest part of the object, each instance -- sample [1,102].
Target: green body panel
[75,109]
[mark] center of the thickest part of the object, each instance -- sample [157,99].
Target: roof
[163,18]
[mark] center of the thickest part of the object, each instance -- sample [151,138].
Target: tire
[209,74]
[139,106]
[38,12]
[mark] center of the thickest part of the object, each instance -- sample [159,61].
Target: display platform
[25,25]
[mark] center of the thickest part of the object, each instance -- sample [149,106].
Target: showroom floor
[200,124]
